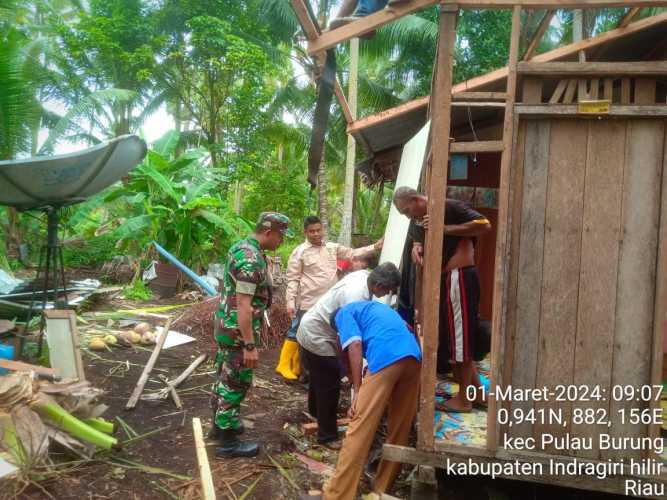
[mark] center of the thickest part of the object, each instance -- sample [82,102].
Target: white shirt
[315,333]
[311,271]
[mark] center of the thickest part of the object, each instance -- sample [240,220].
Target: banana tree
[176,202]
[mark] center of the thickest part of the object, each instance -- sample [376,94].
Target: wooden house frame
[597,132]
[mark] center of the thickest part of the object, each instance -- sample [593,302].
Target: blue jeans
[291,333]
[365,7]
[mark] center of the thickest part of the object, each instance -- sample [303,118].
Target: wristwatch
[248,346]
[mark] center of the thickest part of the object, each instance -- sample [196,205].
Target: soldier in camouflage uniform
[246,295]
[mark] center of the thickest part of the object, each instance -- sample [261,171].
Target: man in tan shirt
[311,271]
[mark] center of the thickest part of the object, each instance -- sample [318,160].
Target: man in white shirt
[320,342]
[311,271]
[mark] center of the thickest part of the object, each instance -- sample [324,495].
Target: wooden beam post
[660,312]
[378,19]
[345,237]
[312,32]
[488,79]
[539,34]
[497,336]
[580,70]
[628,17]
[437,192]
[578,36]
[205,476]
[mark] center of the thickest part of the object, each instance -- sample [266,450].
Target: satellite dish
[51,182]
[56,181]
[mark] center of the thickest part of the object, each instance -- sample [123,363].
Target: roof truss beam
[539,34]
[312,32]
[378,19]
[480,81]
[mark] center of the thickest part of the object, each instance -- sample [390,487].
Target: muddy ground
[272,413]
[164,465]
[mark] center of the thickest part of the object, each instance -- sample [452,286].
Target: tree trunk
[322,190]
[14,235]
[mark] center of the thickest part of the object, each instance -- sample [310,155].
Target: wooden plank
[63,338]
[577,36]
[570,91]
[437,192]
[19,366]
[365,25]
[539,34]
[312,31]
[530,263]
[635,299]
[608,92]
[579,69]
[499,74]
[598,273]
[344,106]
[476,147]
[453,454]
[499,285]
[475,104]
[139,388]
[628,17]
[479,96]
[558,91]
[561,4]
[660,308]
[582,90]
[205,476]
[571,110]
[532,91]
[645,91]
[514,224]
[625,91]
[374,21]
[562,252]
[595,89]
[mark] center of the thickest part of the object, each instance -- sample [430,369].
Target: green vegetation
[235,79]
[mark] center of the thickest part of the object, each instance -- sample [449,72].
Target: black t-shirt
[456,212]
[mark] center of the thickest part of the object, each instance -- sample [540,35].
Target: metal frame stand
[51,263]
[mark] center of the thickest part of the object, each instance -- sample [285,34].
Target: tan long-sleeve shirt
[311,271]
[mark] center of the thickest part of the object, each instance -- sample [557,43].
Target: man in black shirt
[461,292]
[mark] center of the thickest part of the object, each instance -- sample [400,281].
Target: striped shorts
[461,313]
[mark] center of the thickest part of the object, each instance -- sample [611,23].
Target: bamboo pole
[139,388]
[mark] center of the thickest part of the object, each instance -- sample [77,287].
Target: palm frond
[85,107]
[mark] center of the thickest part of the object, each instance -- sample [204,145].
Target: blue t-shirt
[382,332]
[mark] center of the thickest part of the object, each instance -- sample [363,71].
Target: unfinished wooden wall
[585,210]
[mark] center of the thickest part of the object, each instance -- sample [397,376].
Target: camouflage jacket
[246,271]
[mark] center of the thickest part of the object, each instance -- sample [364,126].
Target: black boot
[216,432]
[231,446]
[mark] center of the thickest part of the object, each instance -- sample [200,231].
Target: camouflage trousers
[231,386]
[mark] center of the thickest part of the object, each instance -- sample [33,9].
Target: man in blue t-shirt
[375,331]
